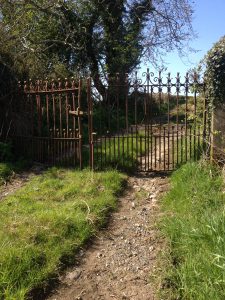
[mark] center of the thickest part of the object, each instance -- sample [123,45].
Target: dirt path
[119,263]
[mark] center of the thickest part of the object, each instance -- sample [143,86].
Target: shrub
[215,72]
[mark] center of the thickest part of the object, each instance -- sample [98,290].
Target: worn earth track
[119,263]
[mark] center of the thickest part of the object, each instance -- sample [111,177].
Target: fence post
[90,124]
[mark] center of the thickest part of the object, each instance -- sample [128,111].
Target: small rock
[151,248]
[99,255]
[73,275]
[133,205]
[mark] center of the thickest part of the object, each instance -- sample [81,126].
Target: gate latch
[78,112]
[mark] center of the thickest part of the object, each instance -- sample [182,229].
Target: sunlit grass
[43,224]
[194,225]
[122,152]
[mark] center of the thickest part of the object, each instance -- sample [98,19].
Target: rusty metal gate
[152,123]
[51,129]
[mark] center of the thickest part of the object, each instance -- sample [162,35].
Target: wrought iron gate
[149,123]
[51,132]
[146,124]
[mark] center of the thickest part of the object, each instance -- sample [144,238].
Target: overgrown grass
[194,224]
[43,224]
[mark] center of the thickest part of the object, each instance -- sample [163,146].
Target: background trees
[52,38]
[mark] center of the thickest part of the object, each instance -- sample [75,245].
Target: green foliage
[194,224]
[5,172]
[7,169]
[44,224]
[122,152]
[40,37]
[6,152]
[9,164]
[215,72]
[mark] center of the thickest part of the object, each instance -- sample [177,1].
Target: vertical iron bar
[53,107]
[60,107]
[150,134]
[190,141]
[127,91]
[141,156]
[160,116]
[168,145]
[117,101]
[173,164]
[109,145]
[204,121]
[132,146]
[164,148]
[123,149]
[105,150]
[186,111]
[67,109]
[155,148]
[177,143]
[181,140]
[74,106]
[80,124]
[195,114]
[90,123]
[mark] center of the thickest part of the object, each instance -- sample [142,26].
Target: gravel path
[121,259]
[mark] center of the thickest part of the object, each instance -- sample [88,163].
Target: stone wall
[218,134]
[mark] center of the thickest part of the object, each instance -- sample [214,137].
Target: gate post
[80,124]
[90,124]
[204,121]
[218,134]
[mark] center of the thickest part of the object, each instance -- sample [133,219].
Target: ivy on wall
[215,73]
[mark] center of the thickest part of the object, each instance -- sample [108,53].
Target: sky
[209,24]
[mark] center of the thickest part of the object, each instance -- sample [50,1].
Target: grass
[121,151]
[194,225]
[7,169]
[186,148]
[9,164]
[5,172]
[44,223]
